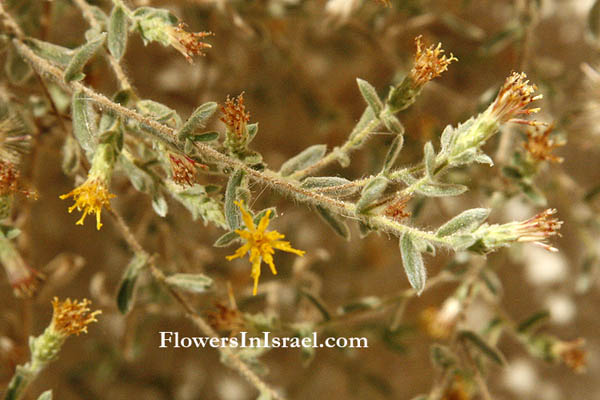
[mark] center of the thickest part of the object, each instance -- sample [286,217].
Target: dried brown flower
[540,145]
[429,62]
[187,43]
[71,317]
[235,115]
[514,97]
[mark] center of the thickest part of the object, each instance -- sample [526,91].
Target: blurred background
[297,62]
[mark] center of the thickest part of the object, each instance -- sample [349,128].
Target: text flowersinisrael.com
[170,339]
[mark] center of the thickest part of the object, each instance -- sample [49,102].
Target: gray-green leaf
[429,159]
[127,286]
[393,152]
[83,123]
[465,222]
[194,283]
[305,159]
[337,224]
[198,119]
[232,212]
[117,32]
[74,71]
[370,95]
[371,193]
[413,263]
[436,189]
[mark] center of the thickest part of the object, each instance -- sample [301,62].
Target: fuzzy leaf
[413,263]
[429,156]
[338,225]
[194,283]
[83,124]
[491,352]
[74,71]
[197,120]
[465,222]
[226,239]
[436,189]
[232,212]
[47,395]
[127,286]
[117,32]
[303,160]
[370,95]
[530,323]
[392,123]
[205,137]
[160,205]
[330,182]
[371,193]
[56,54]
[366,118]
[393,152]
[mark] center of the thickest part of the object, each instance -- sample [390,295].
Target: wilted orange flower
[572,354]
[514,97]
[540,145]
[538,228]
[235,115]
[71,317]
[187,43]
[429,63]
[183,169]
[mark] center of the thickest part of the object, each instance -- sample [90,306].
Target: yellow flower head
[260,244]
[72,317]
[90,198]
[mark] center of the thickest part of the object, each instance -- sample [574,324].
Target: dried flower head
[187,43]
[9,178]
[572,354]
[440,323]
[429,62]
[71,317]
[14,141]
[540,145]
[183,169]
[457,391]
[226,319]
[513,99]
[260,244]
[23,279]
[396,210]
[90,197]
[538,228]
[235,115]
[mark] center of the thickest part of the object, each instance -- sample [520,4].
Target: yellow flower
[260,244]
[72,317]
[90,198]
[430,62]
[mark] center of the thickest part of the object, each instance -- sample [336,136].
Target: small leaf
[56,54]
[226,239]
[429,156]
[252,130]
[303,160]
[594,21]
[370,95]
[530,323]
[436,189]
[232,212]
[197,120]
[393,152]
[392,123]
[484,159]
[127,286]
[465,222]
[371,193]
[338,225]
[194,283]
[262,213]
[413,263]
[159,205]
[83,124]
[333,184]
[74,71]
[117,32]
[366,119]
[205,137]
[442,356]
[47,395]
[491,352]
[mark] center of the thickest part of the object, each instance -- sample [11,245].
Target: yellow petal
[269,260]
[264,221]
[286,246]
[241,252]
[245,215]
